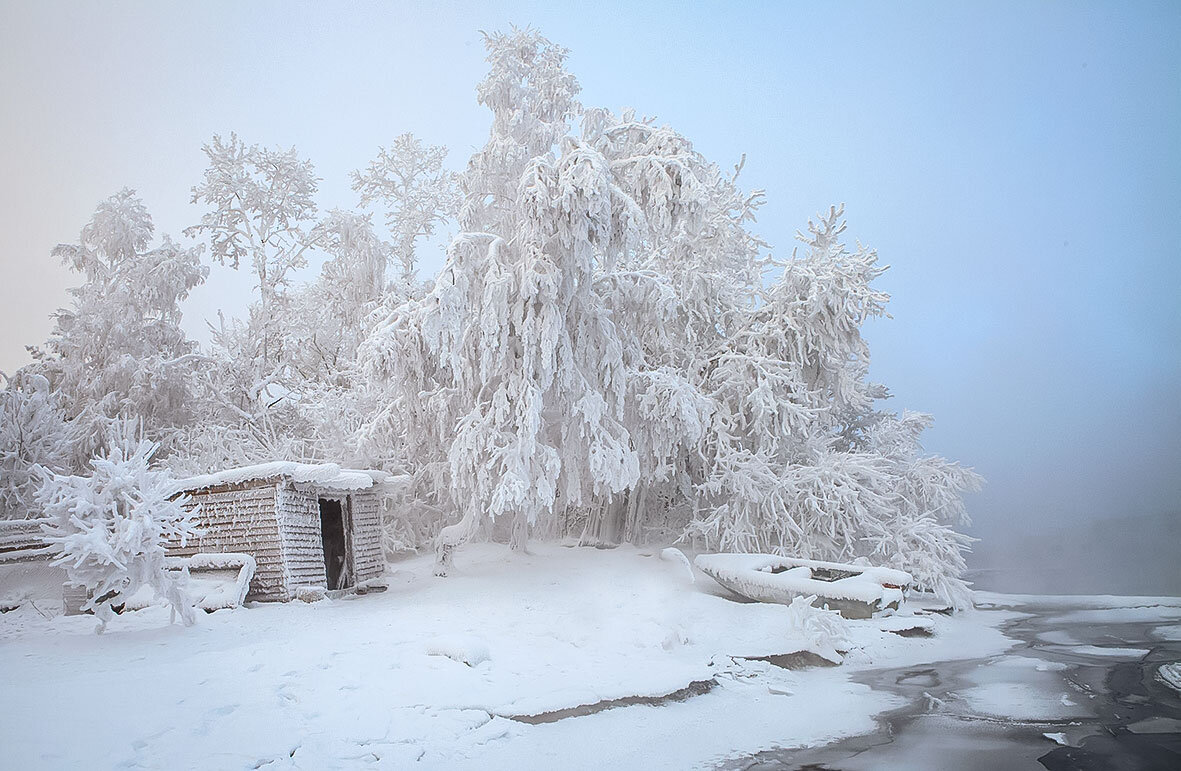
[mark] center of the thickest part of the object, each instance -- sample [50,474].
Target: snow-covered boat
[857,591]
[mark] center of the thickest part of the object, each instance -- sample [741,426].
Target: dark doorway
[332,532]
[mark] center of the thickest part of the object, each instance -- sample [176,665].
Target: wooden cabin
[306,525]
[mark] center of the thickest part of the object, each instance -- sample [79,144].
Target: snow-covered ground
[447,672]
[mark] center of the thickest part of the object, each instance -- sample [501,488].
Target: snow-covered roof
[329,476]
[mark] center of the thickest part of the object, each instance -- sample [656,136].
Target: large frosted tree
[118,352]
[511,365]
[275,371]
[603,355]
[261,211]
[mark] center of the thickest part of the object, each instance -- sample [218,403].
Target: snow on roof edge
[327,475]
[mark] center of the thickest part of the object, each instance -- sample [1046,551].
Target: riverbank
[1078,691]
[514,661]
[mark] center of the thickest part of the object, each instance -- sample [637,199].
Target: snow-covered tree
[261,211]
[33,434]
[418,193]
[918,534]
[601,354]
[304,406]
[798,460]
[321,324]
[111,528]
[511,365]
[679,295]
[119,352]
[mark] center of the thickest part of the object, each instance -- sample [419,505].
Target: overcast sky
[1019,166]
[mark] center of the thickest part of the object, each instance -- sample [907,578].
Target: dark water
[1126,718]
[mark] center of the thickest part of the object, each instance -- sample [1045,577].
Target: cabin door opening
[333,533]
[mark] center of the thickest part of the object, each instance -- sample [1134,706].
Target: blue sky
[1017,164]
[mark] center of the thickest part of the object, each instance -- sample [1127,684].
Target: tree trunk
[520,533]
[451,538]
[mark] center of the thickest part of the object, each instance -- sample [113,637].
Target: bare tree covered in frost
[600,354]
[277,370]
[34,435]
[110,528]
[926,504]
[261,211]
[119,352]
[408,177]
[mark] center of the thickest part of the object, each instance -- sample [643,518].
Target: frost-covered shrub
[823,630]
[111,527]
[33,433]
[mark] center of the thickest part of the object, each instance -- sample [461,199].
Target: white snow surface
[213,581]
[327,475]
[353,683]
[1170,675]
[1168,632]
[751,576]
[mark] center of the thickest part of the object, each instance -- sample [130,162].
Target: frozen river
[1080,691]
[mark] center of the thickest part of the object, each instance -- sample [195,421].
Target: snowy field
[505,664]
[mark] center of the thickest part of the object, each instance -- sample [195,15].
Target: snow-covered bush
[823,630]
[33,434]
[110,529]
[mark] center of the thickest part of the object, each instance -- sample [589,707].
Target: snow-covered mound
[328,475]
[231,574]
[768,578]
[215,581]
[37,582]
[466,649]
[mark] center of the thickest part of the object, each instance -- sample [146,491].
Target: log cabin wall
[368,560]
[303,547]
[242,518]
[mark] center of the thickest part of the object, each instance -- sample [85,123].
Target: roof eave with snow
[325,476]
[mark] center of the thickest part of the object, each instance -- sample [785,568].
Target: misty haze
[481,385]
